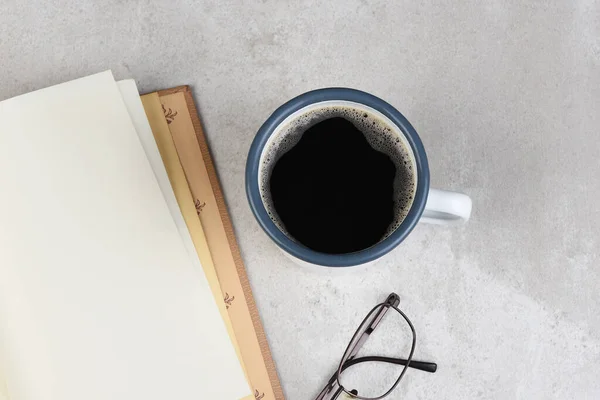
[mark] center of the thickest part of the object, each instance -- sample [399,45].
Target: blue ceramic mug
[429,205]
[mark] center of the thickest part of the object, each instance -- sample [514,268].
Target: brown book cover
[183,122]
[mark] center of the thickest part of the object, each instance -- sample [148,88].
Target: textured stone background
[506,97]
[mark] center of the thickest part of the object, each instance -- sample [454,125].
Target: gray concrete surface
[506,97]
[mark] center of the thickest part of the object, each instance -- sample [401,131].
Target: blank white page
[98,297]
[132,100]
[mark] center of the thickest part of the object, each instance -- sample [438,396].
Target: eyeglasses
[375,377]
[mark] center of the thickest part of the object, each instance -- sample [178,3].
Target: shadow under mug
[429,205]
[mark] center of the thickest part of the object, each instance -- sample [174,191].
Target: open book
[102,292]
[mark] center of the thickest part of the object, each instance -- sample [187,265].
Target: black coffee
[340,189]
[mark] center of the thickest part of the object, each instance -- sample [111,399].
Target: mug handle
[444,207]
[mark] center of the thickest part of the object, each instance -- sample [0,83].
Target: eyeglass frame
[348,359]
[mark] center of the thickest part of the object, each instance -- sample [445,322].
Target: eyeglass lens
[393,338]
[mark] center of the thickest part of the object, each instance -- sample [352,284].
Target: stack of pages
[104,290]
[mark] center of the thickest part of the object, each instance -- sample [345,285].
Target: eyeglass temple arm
[394,300]
[334,390]
[420,365]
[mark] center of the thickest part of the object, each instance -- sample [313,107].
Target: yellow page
[185,201]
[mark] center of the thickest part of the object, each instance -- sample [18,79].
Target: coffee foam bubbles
[380,136]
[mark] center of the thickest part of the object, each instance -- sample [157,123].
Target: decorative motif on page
[228,300]
[169,114]
[199,206]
